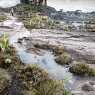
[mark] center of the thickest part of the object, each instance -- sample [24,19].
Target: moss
[63,59]
[82,69]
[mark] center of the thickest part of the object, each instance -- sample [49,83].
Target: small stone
[88,87]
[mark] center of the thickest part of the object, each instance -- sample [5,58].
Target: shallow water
[46,61]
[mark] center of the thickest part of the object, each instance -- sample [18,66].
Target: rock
[57,50]
[20,41]
[88,87]
[5,80]
[92,83]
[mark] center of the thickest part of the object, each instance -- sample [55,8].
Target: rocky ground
[80,45]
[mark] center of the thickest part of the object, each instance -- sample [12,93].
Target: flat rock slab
[81,45]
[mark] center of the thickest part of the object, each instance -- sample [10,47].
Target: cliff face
[35,2]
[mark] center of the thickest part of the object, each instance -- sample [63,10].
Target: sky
[8,3]
[85,5]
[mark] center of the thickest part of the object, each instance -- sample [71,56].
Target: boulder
[89,86]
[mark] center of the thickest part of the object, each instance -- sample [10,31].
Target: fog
[85,5]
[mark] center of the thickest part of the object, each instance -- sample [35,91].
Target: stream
[45,59]
[79,45]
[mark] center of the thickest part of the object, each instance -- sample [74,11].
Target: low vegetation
[3,18]
[82,69]
[49,87]
[7,53]
[4,43]
[40,22]
[64,59]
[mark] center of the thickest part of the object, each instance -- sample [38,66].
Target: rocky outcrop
[87,88]
[35,2]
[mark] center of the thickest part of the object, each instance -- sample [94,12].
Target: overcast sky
[85,5]
[73,4]
[7,3]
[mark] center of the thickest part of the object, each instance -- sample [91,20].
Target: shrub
[82,69]
[9,59]
[32,75]
[28,76]
[49,87]
[37,21]
[63,59]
